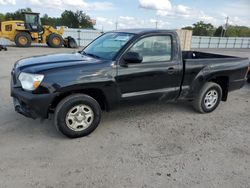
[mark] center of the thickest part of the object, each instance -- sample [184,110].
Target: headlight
[30,81]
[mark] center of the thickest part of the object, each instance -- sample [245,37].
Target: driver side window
[154,48]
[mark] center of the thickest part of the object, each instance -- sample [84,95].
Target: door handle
[171,70]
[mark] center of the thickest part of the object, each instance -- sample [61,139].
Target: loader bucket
[70,42]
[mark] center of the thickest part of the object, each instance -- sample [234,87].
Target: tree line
[207,29]
[68,18]
[79,19]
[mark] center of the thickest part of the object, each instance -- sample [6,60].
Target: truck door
[159,73]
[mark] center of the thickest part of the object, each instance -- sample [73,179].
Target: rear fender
[198,82]
[206,76]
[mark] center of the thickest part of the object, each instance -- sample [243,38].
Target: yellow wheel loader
[23,33]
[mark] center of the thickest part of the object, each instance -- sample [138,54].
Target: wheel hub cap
[211,99]
[79,117]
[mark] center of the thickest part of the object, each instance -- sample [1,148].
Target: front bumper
[31,105]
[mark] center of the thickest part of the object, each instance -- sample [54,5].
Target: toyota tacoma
[121,66]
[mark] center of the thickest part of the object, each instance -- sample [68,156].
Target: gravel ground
[155,144]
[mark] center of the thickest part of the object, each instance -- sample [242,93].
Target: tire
[54,40]
[63,115]
[72,43]
[23,39]
[202,102]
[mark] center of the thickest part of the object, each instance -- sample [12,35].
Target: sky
[166,14]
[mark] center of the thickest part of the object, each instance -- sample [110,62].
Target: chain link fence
[83,37]
[220,42]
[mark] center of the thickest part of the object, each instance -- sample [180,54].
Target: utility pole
[222,30]
[227,18]
[116,25]
[156,24]
[102,29]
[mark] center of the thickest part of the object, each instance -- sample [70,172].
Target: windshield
[108,45]
[31,18]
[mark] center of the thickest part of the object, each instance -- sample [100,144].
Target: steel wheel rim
[211,99]
[79,117]
[23,40]
[56,41]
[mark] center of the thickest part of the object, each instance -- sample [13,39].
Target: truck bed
[202,55]
[202,65]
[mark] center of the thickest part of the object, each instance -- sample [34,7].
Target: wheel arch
[223,82]
[200,80]
[95,93]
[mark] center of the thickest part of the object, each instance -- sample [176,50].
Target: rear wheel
[77,115]
[23,39]
[54,40]
[208,98]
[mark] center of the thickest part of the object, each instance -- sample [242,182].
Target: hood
[46,62]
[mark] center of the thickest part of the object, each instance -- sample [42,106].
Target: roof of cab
[143,31]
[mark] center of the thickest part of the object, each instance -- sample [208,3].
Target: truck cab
[159,71]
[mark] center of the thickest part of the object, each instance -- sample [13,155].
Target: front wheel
[208,98]
[77,115]
[54,40]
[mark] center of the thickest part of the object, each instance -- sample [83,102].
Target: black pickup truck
[120,66]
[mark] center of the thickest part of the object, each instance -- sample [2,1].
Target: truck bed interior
[202,55]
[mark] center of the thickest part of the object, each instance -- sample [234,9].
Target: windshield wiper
[91,55]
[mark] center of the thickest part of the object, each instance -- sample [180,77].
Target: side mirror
[132,57]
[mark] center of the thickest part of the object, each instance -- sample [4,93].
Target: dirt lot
[149,145]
